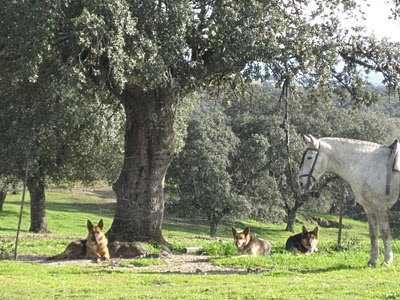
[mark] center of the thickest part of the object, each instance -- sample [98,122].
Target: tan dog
[74,250]
[245,243]
[304,242]
[96,243]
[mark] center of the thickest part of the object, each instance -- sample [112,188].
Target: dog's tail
[58,256]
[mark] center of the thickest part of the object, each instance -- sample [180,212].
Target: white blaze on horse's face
[309,164]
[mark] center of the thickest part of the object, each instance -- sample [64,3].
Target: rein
[310,174]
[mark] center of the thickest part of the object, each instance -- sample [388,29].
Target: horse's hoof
[371,264]
[385,264]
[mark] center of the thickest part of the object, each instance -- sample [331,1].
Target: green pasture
[331,274]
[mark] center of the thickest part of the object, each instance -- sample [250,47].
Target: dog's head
[309,239]
[241,238]
[95,232]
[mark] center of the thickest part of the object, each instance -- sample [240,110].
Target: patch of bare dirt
[169,263]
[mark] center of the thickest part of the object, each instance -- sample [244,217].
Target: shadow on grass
[7,213]
[91,208]
[64,207]
[273,271]
[339,267]
[201,227]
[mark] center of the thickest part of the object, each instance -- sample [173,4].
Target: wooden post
[21,211]
[341,202]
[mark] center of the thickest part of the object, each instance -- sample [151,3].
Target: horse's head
[311,163]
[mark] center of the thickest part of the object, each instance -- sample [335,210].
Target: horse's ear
[307,138]
[311,141]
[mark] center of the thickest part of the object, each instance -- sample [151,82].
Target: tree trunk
[214,218]
[292,211]
[3,195]
[149,146]
[291,219]
[213,229]
[36,189]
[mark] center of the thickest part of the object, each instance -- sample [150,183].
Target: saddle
[393,163]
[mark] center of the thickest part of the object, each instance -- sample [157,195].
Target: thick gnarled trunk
[36,189]
[149,144]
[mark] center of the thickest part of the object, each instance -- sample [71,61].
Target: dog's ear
[304,230]
[101,224]
[89,225]
[246,231]
[234,232]
[316,230]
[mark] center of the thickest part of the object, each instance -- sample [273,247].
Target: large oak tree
[151,54]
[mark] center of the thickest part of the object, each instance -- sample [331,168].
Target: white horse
[364,166]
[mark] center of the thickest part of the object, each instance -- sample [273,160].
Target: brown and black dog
[245,243]
[95,246]
[304,242]
[96,243]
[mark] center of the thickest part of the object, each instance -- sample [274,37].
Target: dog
[305,242]
[254,246]
[97,242]
[74,250]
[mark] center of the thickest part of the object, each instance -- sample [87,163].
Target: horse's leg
[385,235]
[373,234]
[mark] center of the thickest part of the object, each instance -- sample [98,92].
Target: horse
[364,166]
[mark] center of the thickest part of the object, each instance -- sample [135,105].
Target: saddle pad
[393,163]
[396,165]
[395,155]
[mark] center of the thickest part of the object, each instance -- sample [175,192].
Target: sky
[379,23]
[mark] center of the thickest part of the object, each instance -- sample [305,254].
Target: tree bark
[292,211]
[213,229]
[291,219]
[36,189]
[149,146]
[3,195]
[214,219]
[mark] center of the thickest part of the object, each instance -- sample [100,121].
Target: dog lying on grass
[305,242]
[254,246]
[96,243]
[95,246]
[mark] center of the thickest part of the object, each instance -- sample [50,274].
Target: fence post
[341,202]
[21,210]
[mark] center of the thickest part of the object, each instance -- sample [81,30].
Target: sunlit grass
[330,274]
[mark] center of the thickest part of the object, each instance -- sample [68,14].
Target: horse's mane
[351,142]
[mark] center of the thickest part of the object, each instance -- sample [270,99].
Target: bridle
[310,174]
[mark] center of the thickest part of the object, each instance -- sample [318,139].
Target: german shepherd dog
[245,243]
[96,243]
[304,242]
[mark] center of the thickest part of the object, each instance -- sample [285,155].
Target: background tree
[201,170]
[58,138]
[251,167]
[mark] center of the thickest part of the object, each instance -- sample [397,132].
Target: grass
[330,274]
